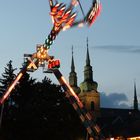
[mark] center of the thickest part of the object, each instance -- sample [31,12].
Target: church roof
[119,122]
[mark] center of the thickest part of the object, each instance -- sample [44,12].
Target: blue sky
[114,42]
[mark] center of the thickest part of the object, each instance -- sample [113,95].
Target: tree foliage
[41,111]
[7,77]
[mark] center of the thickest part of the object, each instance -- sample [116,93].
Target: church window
[92,106]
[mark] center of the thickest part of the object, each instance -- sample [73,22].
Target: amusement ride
[63,17]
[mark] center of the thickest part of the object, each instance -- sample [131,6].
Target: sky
[114,44]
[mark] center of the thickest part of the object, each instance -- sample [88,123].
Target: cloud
[114,100]
[119,48]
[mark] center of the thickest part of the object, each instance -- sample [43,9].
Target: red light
[54,64]
[49,66]
[57,63]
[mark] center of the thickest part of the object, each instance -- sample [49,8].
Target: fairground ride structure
[63,18]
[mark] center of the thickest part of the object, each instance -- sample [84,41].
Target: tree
[7,77]
[42,111]
[47,114]
[24,91]
[6,110]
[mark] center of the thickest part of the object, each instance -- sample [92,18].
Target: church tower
[135,98]
[73,76]
[89,94]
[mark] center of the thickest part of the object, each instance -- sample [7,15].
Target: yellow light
[80,25]
[75,2]
[82,118]
[31,65]
[75,106]
[97,128]
[134,138]
[66,27]
[88,116]
[52,19]
[89,130]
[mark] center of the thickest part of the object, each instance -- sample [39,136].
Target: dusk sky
[114,43]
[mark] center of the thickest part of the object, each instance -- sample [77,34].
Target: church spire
[72,62]
[88,84]
[135,97]
[73,76]
[87,57]
[88,74]
[89,94]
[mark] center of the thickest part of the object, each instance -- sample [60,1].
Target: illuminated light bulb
[50,42]
[75,2]
[73,16]
[66,27]
[48,47]
[52,19]
[68,12]
[80,25]
[63,8]
[38,48]
[57,63]
[57,5]
[38,55]
[41,49]
[53,37]
[50,36]
[46,41]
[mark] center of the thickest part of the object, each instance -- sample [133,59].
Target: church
[115,123]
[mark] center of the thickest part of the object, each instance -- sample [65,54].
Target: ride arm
[92,128]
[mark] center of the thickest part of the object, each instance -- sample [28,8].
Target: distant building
[114,123]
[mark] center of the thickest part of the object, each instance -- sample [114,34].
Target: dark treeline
[36,111]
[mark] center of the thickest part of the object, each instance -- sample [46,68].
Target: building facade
[114,123]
